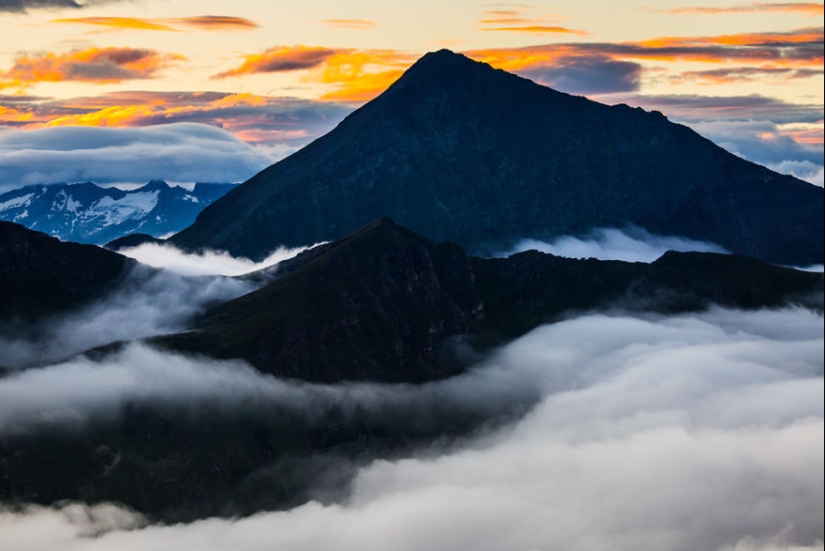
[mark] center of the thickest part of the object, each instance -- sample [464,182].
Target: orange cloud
[12,115]
[118,22]
[281,59]
[809,134]
[740,74]
[514,21]
[95,65]
[207,22]
[799,48]
[809,9]
[354,24]
[536,29]
[217,23]
[799,36]
[360,75]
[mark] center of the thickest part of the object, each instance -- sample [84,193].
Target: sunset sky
[86,85]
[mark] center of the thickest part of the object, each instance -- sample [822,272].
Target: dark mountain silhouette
[385,304]
[458,151]
[39,275]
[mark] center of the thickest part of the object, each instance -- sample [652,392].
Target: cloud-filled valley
[631,413]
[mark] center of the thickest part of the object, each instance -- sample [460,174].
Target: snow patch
[192,198]
[72,205]
[15,202]
[129,207]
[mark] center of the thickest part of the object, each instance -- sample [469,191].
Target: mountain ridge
[385,304]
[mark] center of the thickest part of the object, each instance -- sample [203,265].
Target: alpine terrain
[87,213]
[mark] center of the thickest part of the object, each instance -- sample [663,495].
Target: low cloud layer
[700,432]
[148,303]
[206,263]
[631,245]
[175,153]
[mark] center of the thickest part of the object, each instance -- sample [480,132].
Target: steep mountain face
[87,213]
[385,304]
[40,275]
[458,151]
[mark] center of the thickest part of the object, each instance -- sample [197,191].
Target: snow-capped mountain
[88,213]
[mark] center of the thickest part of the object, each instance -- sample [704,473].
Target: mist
[629,244]
[146,304]
[205,263]
[694,432]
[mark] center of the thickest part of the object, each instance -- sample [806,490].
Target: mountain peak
[458,151]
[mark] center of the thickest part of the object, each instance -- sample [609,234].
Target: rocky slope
[458,151]
[385,304]
[40,275]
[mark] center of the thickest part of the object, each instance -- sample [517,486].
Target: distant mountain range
[88,213]
[458,151]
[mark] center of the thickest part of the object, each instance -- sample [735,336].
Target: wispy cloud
[805,8]
[746,74]
[281,59]
[798,48]
[22,6]
[93,65]
[203,22]
[519,20]
[353,24]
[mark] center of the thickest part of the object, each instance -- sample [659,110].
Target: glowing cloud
[206,22]
[515,21]
[94,65]
[798,48]
[361,75]
[805,8]
[355,75]
[739,74]
[354,24]
[281,59]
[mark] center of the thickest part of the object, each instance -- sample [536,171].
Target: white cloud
[701,432]
[631,245]
[181,152]
[804,170]
[205,263]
